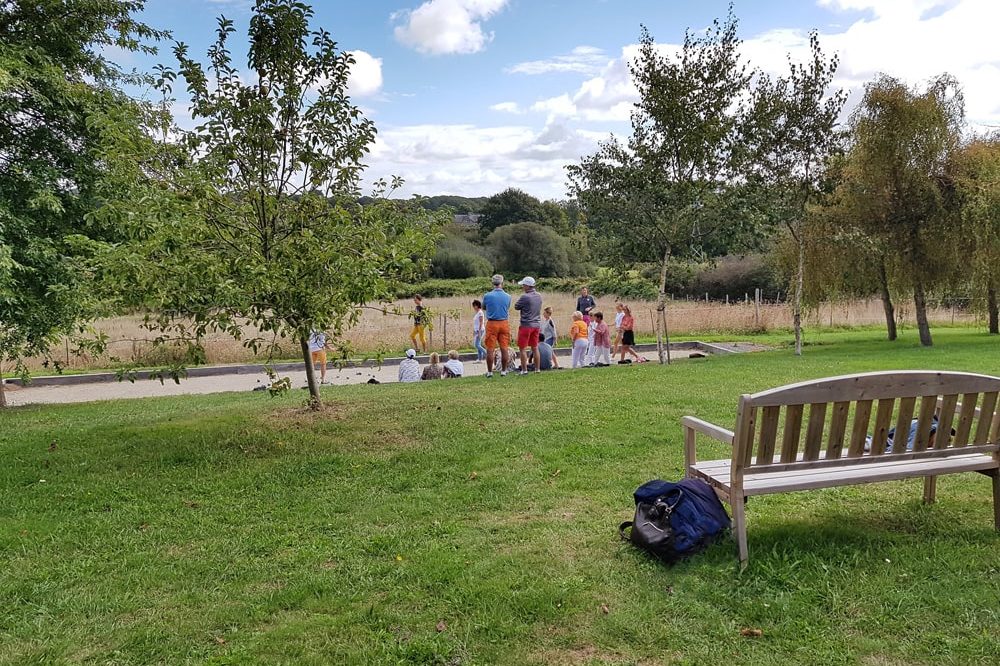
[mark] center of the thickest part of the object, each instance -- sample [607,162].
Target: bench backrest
[827,422]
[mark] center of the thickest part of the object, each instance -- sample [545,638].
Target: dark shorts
[628,338]
[527,337]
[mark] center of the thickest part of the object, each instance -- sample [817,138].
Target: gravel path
[113,390]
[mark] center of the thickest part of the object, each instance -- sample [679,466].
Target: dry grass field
[388,332]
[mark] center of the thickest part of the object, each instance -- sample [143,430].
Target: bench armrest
[692,426]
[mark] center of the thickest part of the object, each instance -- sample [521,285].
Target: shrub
[530,249]
[456,257]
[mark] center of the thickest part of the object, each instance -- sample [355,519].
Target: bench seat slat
[827,477]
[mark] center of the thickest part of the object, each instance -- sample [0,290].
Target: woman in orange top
[578,333]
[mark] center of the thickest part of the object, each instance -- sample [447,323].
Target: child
[549,334]
[628,337]
[478,330]
[602,341]
[578,334]
[589,355]
[419,317]
[619,315]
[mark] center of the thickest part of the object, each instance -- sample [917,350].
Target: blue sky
[473,96]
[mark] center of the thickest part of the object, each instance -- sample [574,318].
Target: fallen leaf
[473,476]
[670,589]
[556,473]
[191,505]
[441,626]
[52,446]
[399,558]
[605,609]
[751,633]
[219,640]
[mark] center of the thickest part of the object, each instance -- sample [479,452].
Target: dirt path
[114,390]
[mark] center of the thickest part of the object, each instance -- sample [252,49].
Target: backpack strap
[621,530]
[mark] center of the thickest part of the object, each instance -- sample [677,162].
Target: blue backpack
[675,520]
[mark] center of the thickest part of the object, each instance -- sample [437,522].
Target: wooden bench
[815,435]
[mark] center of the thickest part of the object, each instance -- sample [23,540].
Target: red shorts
[527,337]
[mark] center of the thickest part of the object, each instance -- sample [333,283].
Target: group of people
[410,371]
[537,334]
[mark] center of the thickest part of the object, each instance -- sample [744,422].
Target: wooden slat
[966,415]
[793,428]
[945,417]
[709,429]
[985,417]
[859,431]
[928,405]
[995,430]
[814,432]
[768,433]
[880,431]
[903,418]
[801,464]
[875,385]
[746,417]
[838,427]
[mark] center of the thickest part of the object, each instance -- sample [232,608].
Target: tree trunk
[661,310]
[993,312]
[797,300]
[890,311]
[920,305]
[314,399]
[3,394]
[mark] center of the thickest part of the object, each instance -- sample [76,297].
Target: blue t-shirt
[497,304]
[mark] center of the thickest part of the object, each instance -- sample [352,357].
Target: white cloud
[365,78]
[508,107]
[447,26]
[581,60]
[479,161]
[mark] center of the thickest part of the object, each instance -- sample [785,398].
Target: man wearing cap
[497,305]
[409,368]
[530,307]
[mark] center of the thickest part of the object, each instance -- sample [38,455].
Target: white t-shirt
[454,366]
[477,322]
[618,319]
[317,341]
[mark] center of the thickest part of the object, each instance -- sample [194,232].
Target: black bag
[675,520]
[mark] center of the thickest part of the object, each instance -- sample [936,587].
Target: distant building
[467,220]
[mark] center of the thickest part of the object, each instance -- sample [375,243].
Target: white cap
[528,282]
[411,353]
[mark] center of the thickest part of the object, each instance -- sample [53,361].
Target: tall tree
[792,136]
[903,141]
[669,189]
[259,223]
[57,89]
[977,172]
[513,206]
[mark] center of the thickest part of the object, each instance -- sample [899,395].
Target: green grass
[235,528]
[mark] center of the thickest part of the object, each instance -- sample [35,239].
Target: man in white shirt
[409,368]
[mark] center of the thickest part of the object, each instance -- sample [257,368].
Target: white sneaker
[489,374]
[523,373]
[503,373]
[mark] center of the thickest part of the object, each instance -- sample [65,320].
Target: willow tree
[902,142]
[977,174]
[252,221]
[668,189]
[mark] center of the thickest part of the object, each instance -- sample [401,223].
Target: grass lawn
[473,522]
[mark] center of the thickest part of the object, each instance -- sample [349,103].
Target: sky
[471,97]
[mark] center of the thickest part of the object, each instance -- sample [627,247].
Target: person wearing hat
[497,306]
[409,368]
[530,307]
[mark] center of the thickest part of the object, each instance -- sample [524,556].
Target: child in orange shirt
[578,333]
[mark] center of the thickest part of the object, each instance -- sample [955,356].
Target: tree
[530,249]
[513,206]
[675,185]
[256,221]
[902,143]
[977,172]
[55,85]
[792,136]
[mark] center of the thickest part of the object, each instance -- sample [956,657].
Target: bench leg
[740,526]
[930,489]
[996,498]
